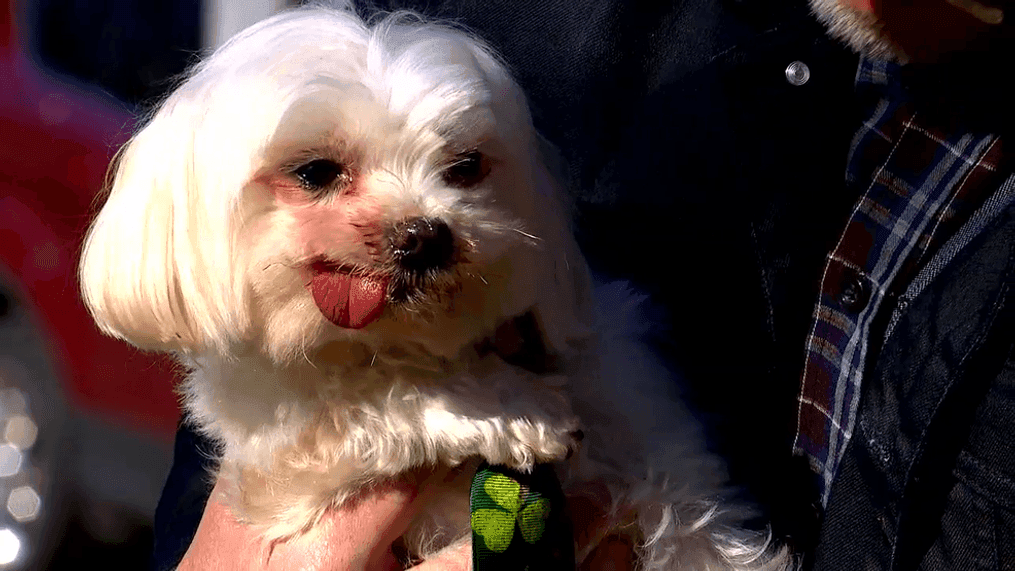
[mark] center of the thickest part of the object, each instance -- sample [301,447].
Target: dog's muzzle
[419,249]
[422,245]
[423,251]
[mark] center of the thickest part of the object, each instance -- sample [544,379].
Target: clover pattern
[514,502]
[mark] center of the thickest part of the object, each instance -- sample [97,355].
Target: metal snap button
[854,292]
[797,73]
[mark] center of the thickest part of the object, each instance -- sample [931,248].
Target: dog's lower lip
[325,266]
[329,266]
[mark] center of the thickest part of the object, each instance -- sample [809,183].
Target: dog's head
[319,179]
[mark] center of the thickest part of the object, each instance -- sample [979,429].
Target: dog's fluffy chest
[312,435]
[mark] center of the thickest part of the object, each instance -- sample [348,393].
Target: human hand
[359,537]
[930,30]
[595,546]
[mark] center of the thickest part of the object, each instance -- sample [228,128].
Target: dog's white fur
[859,29]
[203,245]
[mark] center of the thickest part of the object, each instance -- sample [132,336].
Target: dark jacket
[704,176]
[928,479]
[715,184]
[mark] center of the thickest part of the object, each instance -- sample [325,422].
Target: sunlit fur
[203,245]
[859,29]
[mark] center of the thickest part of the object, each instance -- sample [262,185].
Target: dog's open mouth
[353,299]
[345,298]
[411,265]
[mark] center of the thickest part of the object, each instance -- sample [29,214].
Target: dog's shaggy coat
[315,152]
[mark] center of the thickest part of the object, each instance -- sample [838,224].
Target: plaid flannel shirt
[918,186]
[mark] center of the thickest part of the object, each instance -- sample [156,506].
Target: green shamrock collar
[519,521]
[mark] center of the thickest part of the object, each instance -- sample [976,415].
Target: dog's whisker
[303,350]
[527,235]
[292,265]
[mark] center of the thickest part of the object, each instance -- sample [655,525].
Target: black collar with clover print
[519,521]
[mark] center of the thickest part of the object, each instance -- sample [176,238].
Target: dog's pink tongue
[349,301]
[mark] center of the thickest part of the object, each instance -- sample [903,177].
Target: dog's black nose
[421,244]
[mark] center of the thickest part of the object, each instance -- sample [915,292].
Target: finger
[457,557]
[357,535]
[614,553]
[594,518]
[586,507]
[221,542]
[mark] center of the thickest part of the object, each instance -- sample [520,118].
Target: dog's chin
[517,341]
[443,319]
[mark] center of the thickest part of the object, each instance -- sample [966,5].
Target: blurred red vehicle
[86,422]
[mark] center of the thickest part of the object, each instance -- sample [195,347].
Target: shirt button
[797,73]
[854,292]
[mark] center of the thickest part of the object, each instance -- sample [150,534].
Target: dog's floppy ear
[163,266]
[158,267]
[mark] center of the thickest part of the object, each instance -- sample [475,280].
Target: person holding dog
[818,197]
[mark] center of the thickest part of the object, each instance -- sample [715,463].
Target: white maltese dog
[348,235]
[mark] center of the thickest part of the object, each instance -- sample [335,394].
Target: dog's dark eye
[319,174]
[469,169]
